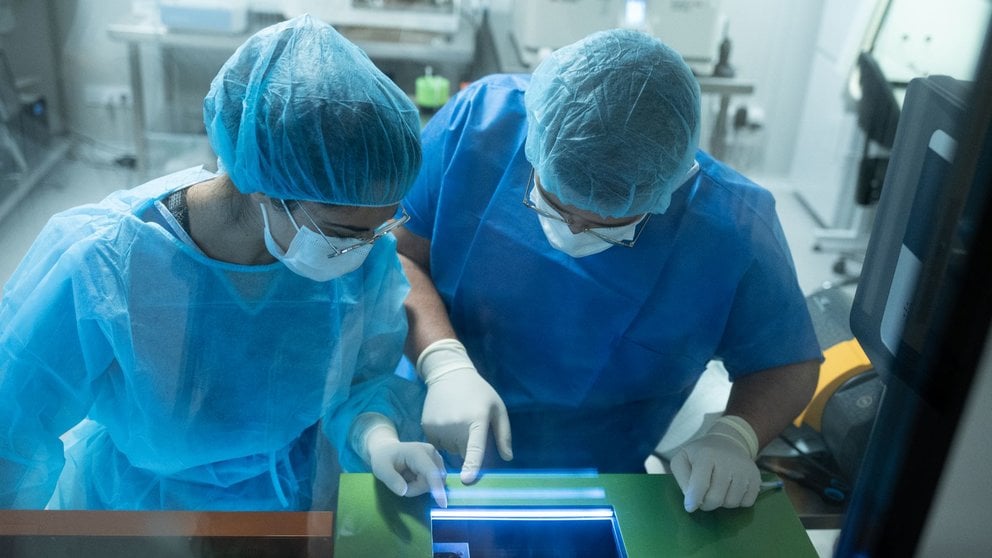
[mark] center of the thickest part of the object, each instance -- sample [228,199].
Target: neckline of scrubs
[197,175]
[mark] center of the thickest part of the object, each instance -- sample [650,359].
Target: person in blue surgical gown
[576,261]
[194,342]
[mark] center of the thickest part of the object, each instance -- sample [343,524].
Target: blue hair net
[613,123]
[299,112]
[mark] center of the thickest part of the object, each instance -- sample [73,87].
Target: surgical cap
[613,123]
[299,112]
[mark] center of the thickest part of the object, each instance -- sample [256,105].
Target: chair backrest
[878,110]
[10,100]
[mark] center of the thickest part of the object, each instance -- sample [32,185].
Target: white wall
[90,59]
[775,44]
[772,43]
[93,62]
[922,37]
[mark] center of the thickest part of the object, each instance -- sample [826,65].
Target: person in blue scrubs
[576,261]
[194,343]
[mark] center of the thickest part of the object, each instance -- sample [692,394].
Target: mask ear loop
[265,215]
[290,214]
[274,247]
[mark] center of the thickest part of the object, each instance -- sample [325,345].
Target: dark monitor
[904,234]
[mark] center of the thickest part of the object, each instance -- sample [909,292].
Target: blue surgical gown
[593,356]
[203,384]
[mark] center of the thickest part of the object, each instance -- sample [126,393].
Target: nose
[577,225]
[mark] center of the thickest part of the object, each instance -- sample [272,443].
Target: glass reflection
[251,421]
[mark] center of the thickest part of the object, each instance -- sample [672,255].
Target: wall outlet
[107,96]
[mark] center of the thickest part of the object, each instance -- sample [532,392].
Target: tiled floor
[86,175]
[75,181]
[69,184]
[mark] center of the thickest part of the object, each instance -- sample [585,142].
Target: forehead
[571,210]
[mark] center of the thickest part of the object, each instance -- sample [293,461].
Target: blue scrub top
[204,383]
[594,356]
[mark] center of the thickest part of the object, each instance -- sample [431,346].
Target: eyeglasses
[377,233]
[532,183]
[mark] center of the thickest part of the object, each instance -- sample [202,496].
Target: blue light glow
[527,493]
[522,513]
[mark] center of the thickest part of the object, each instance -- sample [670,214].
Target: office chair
[878,116]
[10,106]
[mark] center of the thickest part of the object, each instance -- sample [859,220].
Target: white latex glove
[406,468]
[718,469]
[461,407]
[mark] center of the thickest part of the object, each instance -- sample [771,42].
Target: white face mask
[309,254]
[581,244]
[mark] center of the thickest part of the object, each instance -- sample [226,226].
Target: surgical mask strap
[267,232]
[290,215]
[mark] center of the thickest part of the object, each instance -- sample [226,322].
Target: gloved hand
[718,469]
[406,468]
[461,407]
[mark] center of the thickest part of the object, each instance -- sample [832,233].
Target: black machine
[923,305]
